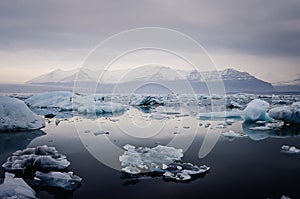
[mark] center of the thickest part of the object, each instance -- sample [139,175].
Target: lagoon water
[246,167]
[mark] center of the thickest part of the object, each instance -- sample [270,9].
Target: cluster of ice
[15,115]
[67,101]
[40,157]
[163,159]
[15,188]
[101,108]
[290,114]
[67,181]
[290,149]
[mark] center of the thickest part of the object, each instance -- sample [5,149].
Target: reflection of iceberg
[285,131]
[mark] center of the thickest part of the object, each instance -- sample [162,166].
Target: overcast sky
[260,37]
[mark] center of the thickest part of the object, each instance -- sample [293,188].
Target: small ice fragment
[57,121]
[260,128]
[100,132]
[221,126]
[232,134]
[285,197]
[290,149]
[207,125]
[164,166]
[285,147]
[186,127]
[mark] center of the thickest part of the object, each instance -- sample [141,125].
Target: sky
[259,37]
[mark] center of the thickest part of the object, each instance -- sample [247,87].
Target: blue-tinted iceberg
[67,181]
[40,157]
[15,115]
[161,159]
[289,114]
[15,188]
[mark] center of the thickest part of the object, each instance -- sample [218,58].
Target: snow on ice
[15,115]
[40,157]
[162,159]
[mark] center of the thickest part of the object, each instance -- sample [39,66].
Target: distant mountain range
[234,81]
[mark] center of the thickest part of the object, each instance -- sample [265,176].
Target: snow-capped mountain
[234,81]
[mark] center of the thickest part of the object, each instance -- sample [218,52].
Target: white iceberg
[40,157]
[15,188]
[55,99]
[101,108]
[163,159]
[67,181]
[289,114]
[15,115]
[260,128]
[256,110]
[232,134]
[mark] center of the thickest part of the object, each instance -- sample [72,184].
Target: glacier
[15,115]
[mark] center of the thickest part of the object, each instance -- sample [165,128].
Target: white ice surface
[290,114]
[15,115]
[40,157]
[14,188]
[64,180]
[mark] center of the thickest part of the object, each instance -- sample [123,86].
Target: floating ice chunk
[290,149]
[101,108]
[15,115]
[67,181]
[15,188]
[256,110]
[163,159]
[232,134]
[40,157]
[289,114]
[207,125]
[221,126]
[100,132]
[285,197]
[56,99]
[260,128]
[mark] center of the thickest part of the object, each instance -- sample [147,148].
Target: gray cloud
[270,27]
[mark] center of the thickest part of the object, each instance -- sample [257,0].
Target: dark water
[240,168]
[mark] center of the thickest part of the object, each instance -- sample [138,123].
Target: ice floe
[39,157]
[15,188]
[290,149]
[290,114]
[15,115]
[161,159]
[67,181]
[232,134]
[101,108]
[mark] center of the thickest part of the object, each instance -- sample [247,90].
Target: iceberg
[161,159]
[15,188]
[67,181]
[256,110]
[101,108]
[139,100]
[15,115]
[232,134]
[55,99]
[289,114]
[40,157]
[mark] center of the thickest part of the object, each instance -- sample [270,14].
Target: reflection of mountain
[233,80]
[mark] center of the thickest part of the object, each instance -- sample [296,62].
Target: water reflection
[283,132]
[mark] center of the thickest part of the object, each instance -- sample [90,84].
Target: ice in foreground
[15,188]
[15,115]
[40,157]
[67,181]
[290,149]
[161,159]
